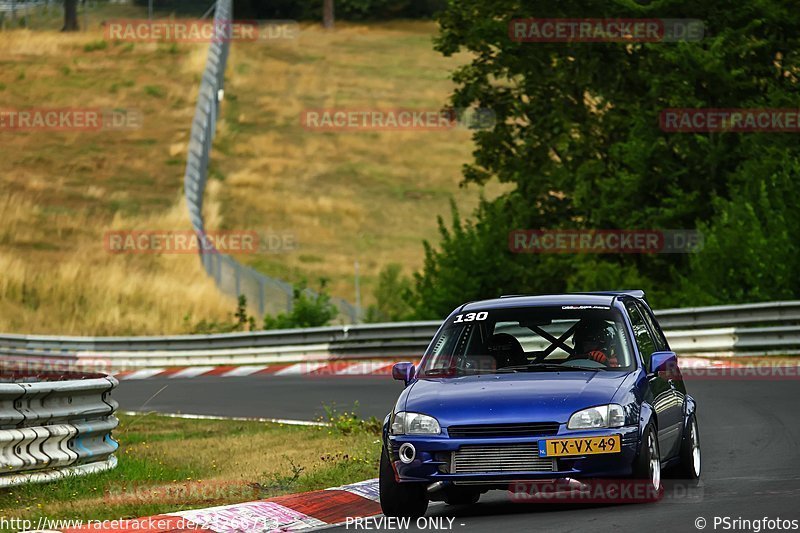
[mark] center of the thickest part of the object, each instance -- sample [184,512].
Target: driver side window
[640,332]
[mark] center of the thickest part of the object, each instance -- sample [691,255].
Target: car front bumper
[434,458]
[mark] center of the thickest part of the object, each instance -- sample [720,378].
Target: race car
[531,388]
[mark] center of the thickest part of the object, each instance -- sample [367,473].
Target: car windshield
[529,339]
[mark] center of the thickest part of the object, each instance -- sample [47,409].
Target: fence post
[261,298]
[207,113]
[237,276]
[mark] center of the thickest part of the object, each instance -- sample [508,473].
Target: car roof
[544,300]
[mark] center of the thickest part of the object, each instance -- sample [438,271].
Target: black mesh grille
[504,430]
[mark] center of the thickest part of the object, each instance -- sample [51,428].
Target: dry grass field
[366,196]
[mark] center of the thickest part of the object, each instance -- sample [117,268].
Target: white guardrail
[752,329]
[55,425]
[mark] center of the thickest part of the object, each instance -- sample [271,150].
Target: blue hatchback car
[533,388]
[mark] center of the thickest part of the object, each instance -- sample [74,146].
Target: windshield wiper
[544,366]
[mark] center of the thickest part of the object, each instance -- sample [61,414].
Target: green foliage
[578,137]
[392,296]
[154,90]
[308,310]
[240,321]
[348,422]
[281,482]
[95,45]
[751,249]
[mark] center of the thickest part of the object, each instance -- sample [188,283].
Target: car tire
[647,464]
[400,499]
[689,465]
[461,496]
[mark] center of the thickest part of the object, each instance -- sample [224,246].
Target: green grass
[95,45]
[169,464]
[154,90]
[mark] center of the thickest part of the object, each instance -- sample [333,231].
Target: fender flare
[385,430]
[690,409]
[646,415]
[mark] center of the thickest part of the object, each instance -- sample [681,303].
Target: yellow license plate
[580,446]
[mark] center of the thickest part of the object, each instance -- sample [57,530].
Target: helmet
[593,334]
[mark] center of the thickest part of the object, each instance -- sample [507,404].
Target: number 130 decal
[470,317]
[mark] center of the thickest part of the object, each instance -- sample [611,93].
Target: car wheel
[461,496]
[689,466]
[648,463]
[400,499]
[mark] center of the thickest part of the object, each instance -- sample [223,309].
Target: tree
[392,296]
[70,16]
[751,251]
[327,14]
[578,137]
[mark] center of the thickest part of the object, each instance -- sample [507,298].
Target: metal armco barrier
[731,315]
[55,425]
[773,328]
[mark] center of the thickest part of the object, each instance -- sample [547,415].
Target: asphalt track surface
[750,436]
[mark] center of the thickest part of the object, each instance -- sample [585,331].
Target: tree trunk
[70,15]
[327,14]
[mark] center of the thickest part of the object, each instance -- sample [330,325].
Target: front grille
[501,458]
[539,429]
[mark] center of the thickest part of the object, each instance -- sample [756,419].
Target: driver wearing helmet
[594,339]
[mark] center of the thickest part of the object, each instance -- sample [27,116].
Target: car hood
[510,398]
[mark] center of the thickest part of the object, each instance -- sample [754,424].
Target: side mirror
[403,372]
[664,362]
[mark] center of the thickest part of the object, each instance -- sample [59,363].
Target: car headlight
[414,424]
[602,416]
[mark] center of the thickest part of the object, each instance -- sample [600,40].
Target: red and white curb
[307,512]
[321,368]
[327,368]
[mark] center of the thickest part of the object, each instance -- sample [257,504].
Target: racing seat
[506,350]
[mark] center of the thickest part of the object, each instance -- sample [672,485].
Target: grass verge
[170,464]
